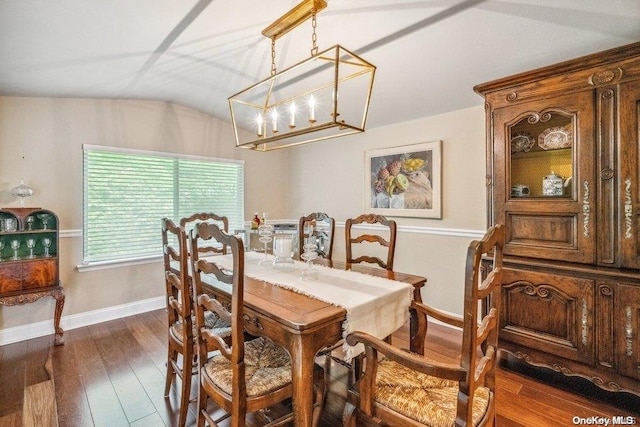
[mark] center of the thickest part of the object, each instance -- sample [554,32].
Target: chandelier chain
[314,36]
[273,56]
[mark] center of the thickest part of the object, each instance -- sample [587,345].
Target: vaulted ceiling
[429,54]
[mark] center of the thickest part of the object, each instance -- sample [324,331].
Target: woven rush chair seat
[267,368]
[219,327]
[429,400]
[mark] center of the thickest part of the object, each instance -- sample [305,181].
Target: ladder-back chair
[399,388]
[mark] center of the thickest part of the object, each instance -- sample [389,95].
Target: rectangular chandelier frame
[322,97]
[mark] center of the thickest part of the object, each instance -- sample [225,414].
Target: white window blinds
[128,192]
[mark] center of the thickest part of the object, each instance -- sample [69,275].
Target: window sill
[102,265]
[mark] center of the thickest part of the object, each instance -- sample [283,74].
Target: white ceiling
[429,54]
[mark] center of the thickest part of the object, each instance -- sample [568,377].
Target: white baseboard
[39,329]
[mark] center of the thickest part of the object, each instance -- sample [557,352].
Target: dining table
[299,322]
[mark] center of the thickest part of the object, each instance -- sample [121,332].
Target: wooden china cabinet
[29,265]
[563,150]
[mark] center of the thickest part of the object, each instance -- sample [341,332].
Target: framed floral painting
[405,181]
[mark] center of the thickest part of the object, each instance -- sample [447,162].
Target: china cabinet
[29,264]
[563,150]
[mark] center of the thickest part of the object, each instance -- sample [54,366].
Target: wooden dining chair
[334,353]
[179,304]
[189,223]
[406,389]
[245,376]
[388,243]
[323,230]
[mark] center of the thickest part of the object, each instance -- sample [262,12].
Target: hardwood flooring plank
[153,346]
[520,410]
[39,408]
[38,350]
[71,399]
[11,420]
[152,420]
[12,371]
[103,400]
[132,395]
[151,378]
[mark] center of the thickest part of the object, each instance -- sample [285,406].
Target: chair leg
[172,356]
[185,395]
[202,405]
[327,377]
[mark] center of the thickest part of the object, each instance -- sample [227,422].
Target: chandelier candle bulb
[292,115]
[259,120]
[312,109]
[274,120]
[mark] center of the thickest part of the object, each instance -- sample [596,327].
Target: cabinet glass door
[542,155]
[543,165]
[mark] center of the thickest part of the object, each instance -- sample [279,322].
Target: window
[128,192]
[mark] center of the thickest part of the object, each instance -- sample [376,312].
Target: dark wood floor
[112,374]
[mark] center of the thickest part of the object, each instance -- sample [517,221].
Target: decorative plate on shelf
[555,138]
[522,141]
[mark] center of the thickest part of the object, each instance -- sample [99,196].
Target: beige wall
[41,141]
[329,176]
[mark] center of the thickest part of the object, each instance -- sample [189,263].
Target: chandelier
[322,97]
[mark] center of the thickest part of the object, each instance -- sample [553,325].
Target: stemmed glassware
[1,248]
[31,244]
[309,254]
[30,220]
[46,242]
[266,235]
[15,245]
[44,217]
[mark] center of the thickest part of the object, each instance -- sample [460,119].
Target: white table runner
[375,305]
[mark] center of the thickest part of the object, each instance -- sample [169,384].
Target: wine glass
[44,217]
[309,253]
[31,244]
[30,220]
[1,248]
[46,242]
[15,245]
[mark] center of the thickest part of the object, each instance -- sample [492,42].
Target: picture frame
[405,181]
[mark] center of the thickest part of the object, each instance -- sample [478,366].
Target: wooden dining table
[303,325]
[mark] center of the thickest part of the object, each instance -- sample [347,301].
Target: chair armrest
[410,360]
[437,314]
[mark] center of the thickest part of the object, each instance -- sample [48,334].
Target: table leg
[416,336]
[302,364]
[58,295]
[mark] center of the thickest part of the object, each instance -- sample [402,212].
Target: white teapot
[554,185]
